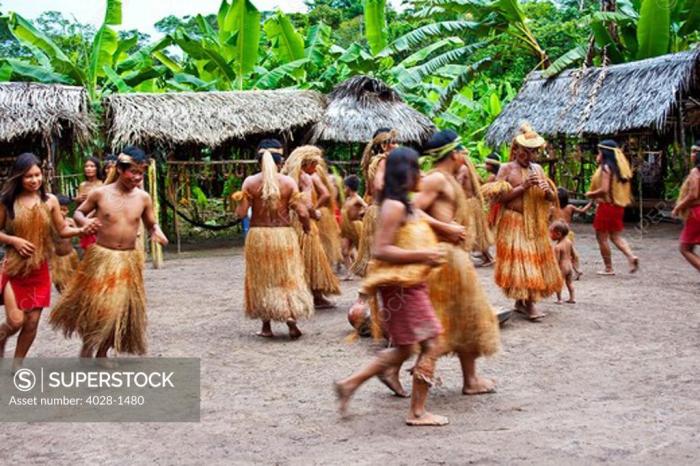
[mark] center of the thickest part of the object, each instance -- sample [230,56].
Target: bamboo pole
[156,249]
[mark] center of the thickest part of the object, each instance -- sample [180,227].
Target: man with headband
[275,288]
[467,317]
[105,303]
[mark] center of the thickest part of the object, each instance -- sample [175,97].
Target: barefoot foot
[571,301]
[479,386]
[390,378]
[294,332]
[343,393]
[427,419]
[634,264]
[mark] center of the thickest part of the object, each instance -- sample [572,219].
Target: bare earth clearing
[614,378]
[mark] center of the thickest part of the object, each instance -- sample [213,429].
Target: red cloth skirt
[32,291]
[608,218]
[691,230]
[87,241]
[409,317]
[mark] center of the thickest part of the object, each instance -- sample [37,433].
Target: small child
[565,213]
[351,220]
[564,252]
[64,262]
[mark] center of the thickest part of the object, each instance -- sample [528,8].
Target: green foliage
[653,28]
[375,24]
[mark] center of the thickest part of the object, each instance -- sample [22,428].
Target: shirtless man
[275,288]
[522,239]
[564,252]
[470,323]
[688,207]
[351,221]
[105,304]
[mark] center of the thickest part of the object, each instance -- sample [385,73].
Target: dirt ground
[614,378]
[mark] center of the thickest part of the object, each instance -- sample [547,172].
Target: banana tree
[54,65]
[644,29]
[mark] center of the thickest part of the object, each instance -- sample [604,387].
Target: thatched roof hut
[207,118]
[642,95]
[34,115]
[361,105]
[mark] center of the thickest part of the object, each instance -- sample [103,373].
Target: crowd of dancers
[412,237]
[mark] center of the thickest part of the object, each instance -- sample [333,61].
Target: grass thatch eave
[46,112]
[207,119]
[360,106]
[632,96]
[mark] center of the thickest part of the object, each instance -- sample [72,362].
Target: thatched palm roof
[207,118]
[361,105]
[31,110]
[632,96]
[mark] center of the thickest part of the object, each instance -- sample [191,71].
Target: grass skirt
[275,288]
[364,250]
[329,231]
[63,269]
[525,268]
[463,308]
[478,228]
[317,270]
[106,302]
[351,230]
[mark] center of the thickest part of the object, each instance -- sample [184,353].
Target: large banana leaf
[455,56]
[459,82]
[565,61]
[692,18]
[287,44]
[653,28]
[239,29]
[428,50]
[123,47]
[375,25]
[104,45]
[203,49]
[511,10]
[169,63]
[12,68]
[142,57]
[430,31]
[317,43]
[117,80]
[604,39]
[273,78]
[34,39]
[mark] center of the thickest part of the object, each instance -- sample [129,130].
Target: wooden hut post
[156,249]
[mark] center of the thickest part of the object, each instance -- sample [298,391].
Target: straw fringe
[274,278]
[63,269]
[467,317]
[329,232]
[105,303]
[33,225]
[364,250]
[350,229]
[478,226]
[525,267]
[317,270]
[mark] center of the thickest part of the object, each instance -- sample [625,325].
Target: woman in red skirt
[93,179]
[27,215]
[611,188]
[688,208]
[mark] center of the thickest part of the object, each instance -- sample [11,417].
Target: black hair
[13,184]
[377,148]
[697,157]
[563,196]
[560,227]
[63,200]
[440,139]
[352,182]
[110,158]
[270,143]
[400,175]
[609,159]
[495,163]
[136,153]
[98,167]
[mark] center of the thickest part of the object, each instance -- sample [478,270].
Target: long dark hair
[609,159]
[400,175]
[98,167]
[270,143]
[13,185]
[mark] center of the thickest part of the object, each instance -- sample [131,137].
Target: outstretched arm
[63,228]
[151,223]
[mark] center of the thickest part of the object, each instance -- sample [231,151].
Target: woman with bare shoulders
[27,215]
[611,189]
[92,171]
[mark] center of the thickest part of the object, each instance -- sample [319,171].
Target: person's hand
[675,212]
[158,236]
[90,227]
[23,247]
[316,214]
[455,233]
[435,257]
[589,194]
[80,198]
[531,180]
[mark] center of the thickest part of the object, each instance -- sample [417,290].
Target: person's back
[262,214]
